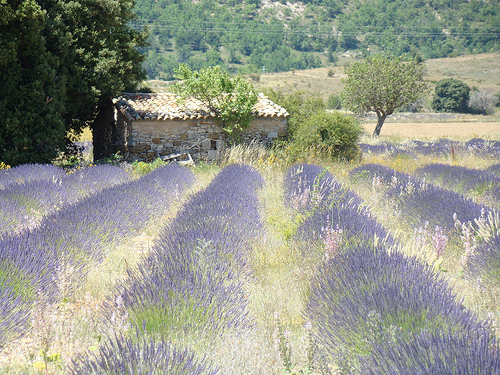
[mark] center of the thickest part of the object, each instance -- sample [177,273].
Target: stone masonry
[146,133]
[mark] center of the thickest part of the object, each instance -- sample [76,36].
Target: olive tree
[230,99]
[381,84]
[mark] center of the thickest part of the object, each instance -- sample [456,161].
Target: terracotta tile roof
[164,106]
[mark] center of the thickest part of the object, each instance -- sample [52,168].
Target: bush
[334,134]
[334,102]
[298,104]
[452,95]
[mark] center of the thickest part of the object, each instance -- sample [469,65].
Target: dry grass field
[481,71]
[434,130]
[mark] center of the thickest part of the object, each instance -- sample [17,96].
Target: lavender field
[386,265]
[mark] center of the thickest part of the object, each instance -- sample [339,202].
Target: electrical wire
[248,28]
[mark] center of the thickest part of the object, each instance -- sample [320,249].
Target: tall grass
[279,289]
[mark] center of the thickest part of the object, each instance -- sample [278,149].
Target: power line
[229,28]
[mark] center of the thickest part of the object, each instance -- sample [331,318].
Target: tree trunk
[380,122]
[103,130]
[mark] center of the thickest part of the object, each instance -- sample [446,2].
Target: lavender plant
[462,179]
[86,181]
[14,313]
[336,217]
[495,169]
[140,355]
[308,186]
[437,148]
[484,262]
[367,297]
[471,351]
[194,277]
[24,204]
[76,237]
[30,172]
[418,201]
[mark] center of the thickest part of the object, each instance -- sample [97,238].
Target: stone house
[148,126]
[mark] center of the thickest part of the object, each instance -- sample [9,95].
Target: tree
[483,102]
[32,127]
[230,99]
[61,63]
[451,95]
[381,84]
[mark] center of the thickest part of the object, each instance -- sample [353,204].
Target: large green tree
[381,84]
[229,98]
[451,95]
[61,63]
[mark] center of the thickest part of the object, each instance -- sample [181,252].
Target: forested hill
[281,36]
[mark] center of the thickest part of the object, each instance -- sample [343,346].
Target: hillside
[480,71]
[271,36]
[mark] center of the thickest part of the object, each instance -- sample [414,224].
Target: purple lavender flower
[89,180]
[194,278]
[418,201]
[471,351]
[462,179]
[485,261]
[495,169]
[308,186]
[24,204]
[30,172]
[77,236]
[365,296]
[14,312]
[139,355]
[336,209]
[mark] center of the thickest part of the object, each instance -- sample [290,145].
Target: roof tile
[164,106]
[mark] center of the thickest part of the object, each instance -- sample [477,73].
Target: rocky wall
[203,139]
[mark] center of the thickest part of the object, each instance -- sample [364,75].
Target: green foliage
[334,102]
[381,84]
[299,105]
[141,168]
[31,102]
[282,38]
[58,60]
[282,343]
[451,95]
[334,134]
[230,99]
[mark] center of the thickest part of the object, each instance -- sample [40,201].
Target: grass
[281,281]
[282,276]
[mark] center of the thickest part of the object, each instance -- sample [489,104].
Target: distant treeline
[277,36]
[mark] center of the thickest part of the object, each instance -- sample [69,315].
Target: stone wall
[147,140]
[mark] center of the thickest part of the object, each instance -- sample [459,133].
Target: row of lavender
[31,191]
[468,181]
[373,311]
[453,214]
[192,282]
[440,147]
[332,216]
[45,264]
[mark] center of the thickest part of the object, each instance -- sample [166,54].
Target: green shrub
[452,95]
[332,134]
[298,104]
[141,168]
[334,102]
